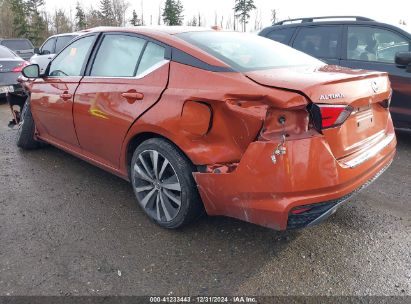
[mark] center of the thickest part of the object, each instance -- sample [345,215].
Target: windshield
[6,53]
[247,52]
[17,44]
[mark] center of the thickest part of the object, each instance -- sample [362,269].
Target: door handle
[132,96]
[66,96]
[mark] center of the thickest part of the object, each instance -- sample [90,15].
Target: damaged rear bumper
[263,192]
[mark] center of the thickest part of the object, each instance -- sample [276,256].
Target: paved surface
[67,227]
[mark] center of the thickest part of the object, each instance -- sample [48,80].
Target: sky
[393,13]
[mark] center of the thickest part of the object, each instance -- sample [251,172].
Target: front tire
[25,133]
[161,176]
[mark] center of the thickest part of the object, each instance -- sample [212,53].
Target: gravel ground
[68,228]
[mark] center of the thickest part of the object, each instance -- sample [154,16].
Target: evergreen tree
[242,11]
[173,12]
[80,18]
[107,13]
[135,21]
[38,26]
[20,24]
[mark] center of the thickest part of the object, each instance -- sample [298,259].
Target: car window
[62,42]
[318,41]
[16,44]
[117,56]
[282,35]
[248,52]
[6,53]
[374,44]
[71,60]
[153,55]
[48,46]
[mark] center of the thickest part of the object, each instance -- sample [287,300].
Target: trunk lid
[362,90]
[7,76]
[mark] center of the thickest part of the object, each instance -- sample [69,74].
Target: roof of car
[172,30]
[67,34]
[332,20]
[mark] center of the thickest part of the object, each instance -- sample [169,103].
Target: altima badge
[331,96]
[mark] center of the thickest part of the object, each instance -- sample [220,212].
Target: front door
[374,48]
[127,77]
[52,96]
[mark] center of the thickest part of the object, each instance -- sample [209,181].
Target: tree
[192,22]
[173,12]
[242,11]
[119,11]
[135,21]
[94,18]
[257,20]
[80,18]
[6,19]
[274,18]
[107,13]
[38,26]
[20,25]
[61,22]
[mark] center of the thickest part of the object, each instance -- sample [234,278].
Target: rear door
[322,42]
[52,96]
[374,48]
[127,76]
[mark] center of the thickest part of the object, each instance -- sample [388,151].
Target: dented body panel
[250,134]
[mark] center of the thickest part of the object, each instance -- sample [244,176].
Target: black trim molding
[187,59]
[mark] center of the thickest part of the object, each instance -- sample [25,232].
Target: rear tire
[162,180]
[25,133]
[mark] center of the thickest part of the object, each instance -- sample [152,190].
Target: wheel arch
[137,139]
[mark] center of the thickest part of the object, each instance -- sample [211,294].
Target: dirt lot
[69,228]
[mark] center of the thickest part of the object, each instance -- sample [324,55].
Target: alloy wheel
[157,186]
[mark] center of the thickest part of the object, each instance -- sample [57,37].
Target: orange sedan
[227,123]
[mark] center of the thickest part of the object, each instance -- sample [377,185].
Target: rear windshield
[17,44]
[6,53]
[247,52]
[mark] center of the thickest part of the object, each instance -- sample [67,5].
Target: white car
[52,46]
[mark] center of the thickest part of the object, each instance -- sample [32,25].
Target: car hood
[323,83]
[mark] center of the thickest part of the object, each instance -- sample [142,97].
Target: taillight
[20,67]
[326,116]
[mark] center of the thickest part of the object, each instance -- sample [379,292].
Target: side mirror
[31,71]
[36,51]
[403,59]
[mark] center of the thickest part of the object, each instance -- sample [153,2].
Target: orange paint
[231,121]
